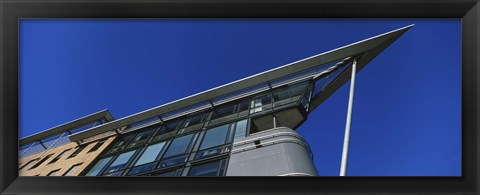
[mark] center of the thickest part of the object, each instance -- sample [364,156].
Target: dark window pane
[124,139]
[98,167]
[59,156]
[79,149]
[214,137]
[41,161]
[207,169]
[97,145]
[53,173]
[193,120]
[297,89]
[224,110]
[179,146]
[172,125]
[169,173]
[243,105]
[143,135]
[280,94]
[28,163]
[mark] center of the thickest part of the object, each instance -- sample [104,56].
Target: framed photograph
[239,97]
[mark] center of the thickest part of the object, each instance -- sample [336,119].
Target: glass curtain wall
[197,144]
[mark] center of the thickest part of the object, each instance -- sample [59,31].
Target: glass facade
[195,144]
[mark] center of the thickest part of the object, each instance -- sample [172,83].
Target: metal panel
[277,152]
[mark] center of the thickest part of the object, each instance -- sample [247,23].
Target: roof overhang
[387,39]
[370,47]
[67,126]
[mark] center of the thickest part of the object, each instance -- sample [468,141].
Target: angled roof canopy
[103,114]
[368,48]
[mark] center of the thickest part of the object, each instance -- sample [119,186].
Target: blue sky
[406,114]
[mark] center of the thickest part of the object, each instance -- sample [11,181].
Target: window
[53,173]
[193,122]
[98,167]
[79,149]
[97,146]
[146,161]
[281,96]
[150,154]
[179,145]
[177,151]
[72,170]
[28,163]
[41,161]
[229,111]
[167,131]
[59,156]
[141,137]
[214,141]
[120,162]
[297,89]
[216,168]
[216,136]
[240,129]
[261,103]
[121,142]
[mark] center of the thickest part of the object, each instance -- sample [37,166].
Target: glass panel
[193,120]
[123,140]
[208,169]
[215,137]
[143,135]
[120,162]
[240,129]
[172,125]
[261,103]
[224,110]
[280,94]
[98,167]
[173,161]
[150,154]
[179,145]
[142,169]
[212,152]
[297,89]
[243,105]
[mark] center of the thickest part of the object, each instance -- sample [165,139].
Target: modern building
[243,128]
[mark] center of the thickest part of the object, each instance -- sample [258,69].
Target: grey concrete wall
[276,152]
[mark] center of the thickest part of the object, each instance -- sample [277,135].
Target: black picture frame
[13,10]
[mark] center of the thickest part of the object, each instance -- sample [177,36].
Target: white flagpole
[346,139]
